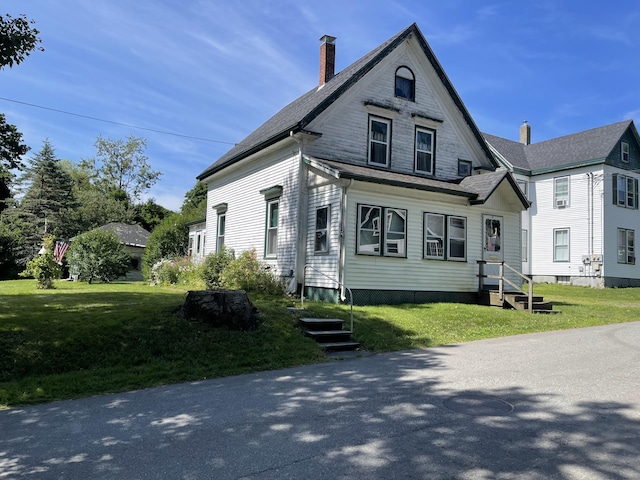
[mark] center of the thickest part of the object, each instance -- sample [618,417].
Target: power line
[116,123]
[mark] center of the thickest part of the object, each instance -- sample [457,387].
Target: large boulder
[221,308]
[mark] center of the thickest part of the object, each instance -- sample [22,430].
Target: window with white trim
[626,246]
[625,191]
[321,238]
[379,141]
[445,237]
[424,149]
[382,231]
[560,192]
[561,245]
[624,152]
[271,243]
[222,221]
[464,168]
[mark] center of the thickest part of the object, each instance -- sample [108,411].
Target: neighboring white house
[583,187]
[377,178]
[197,240]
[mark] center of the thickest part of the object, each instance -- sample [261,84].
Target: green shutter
[615,188]
[635,192]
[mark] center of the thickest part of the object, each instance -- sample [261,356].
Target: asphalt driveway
[558,405]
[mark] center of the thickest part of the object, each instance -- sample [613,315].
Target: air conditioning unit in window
[561,203]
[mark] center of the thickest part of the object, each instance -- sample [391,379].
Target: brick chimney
[327,58]
[525,133]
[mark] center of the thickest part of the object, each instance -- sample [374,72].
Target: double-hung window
[445,237]
[625,191]
[222,221]
[424,148]
[560,192]
[525,245]
[626,246]
[561,245]
[382,231]
[271,247]
[321,241]
[379,141]
[624,152]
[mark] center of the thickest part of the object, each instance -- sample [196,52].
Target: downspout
[343,226]
[299,258]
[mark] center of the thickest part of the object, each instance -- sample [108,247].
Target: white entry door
[492,248]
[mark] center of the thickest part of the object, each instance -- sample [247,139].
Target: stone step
[329,336]
[339,346]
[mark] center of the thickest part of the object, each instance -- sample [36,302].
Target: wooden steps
[520,301]
[329,333]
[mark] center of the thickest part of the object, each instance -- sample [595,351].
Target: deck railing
[502,279]
[304,278]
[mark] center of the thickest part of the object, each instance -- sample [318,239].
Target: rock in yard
[221,308]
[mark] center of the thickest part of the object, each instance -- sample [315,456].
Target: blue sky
[208,72]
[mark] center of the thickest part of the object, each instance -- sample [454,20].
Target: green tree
[195,200]
[149,214]
[18,38]
[11,151]
[47,201]
[121,168]
[43,267]
[98,254]
[168,240]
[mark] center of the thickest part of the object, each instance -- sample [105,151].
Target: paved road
[560,405]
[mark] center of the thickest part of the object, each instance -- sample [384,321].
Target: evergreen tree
[47,201]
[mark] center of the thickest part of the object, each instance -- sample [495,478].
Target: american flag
[59,250]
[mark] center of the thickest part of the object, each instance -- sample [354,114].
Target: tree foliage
[43,267]
[195,200]
[11,147]
[121,168]
[18,38]
[149,214]
[168,240]
[98,254]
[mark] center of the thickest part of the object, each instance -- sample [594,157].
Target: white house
[583,188]
[377,178]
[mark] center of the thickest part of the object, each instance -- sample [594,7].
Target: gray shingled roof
[298,114]
[477,188]
[589,146]
[132,235]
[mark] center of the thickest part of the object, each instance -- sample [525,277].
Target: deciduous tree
[98,254]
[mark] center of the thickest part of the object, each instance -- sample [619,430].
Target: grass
[80,340]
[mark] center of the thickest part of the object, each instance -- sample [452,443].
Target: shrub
[176,271]
[98,254]
[169,239]
[213,266]
[43,267]
[247,273]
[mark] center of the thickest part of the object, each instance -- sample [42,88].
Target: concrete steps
[329,333]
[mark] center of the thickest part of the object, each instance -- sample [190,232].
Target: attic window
[624,148]
[405,84]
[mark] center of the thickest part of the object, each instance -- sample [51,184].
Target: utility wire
[116,123]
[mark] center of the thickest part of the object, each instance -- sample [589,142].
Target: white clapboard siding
[576,217]
[326,263]
[246,207]
[414,272]
[615,218]
[345,124]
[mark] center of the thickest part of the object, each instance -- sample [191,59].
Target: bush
[98,254]
[168,240]
[177,271]
[213,266]
[247,273]
[43,267]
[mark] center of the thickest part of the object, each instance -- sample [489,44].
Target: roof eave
[568,166]
[414,186]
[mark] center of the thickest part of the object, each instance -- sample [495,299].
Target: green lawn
[80,340]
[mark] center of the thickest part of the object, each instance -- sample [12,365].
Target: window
[379,134]
[271,247]
[457,236]
[379,226]
[436,237]
[525,245]
[222,220]
[405,84]
[321,242]
[464,168]
[198,241]
[625,191]
[560,192]
[626,246]
[624,151]
[190,247]
[425,140]
[561,245]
